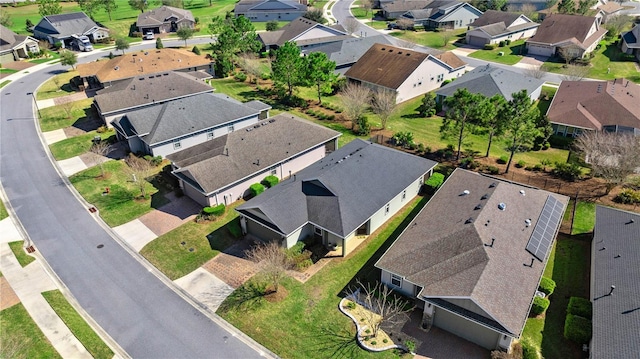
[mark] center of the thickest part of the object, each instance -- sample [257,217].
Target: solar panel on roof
[540,242]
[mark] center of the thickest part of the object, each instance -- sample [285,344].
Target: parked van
[83,43]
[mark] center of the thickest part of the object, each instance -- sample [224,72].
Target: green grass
[49,89]
[262,26]
[544,102]
[78,326]
[123,204]
[511,53]
[23,258]
[7,71]
[55,117]
[207,239]
[21,337]
[52,56]
[433,39]
[307,323]
[4,83]
[585,218]
[3,211]
[75,146]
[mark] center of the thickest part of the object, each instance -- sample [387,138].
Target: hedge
[234,228]
[256,189]
[547,286]
[539,305]
[270,181]
[435,181]
[579,306]
[528,350]
[215,210]
[577,329]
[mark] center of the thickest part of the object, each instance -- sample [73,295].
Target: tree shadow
[248,296]
[220,239]
[335,342]
[412,116]
[89,122]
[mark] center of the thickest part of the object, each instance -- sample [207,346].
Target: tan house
[164,19]
[579,35]
[14,47]
[406,72]
[495,26]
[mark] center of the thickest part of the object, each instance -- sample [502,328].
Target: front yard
[21,337]
[511,54]
[442,40]
[57,117]
[57,86]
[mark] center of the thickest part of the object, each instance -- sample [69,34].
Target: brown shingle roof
[450,59]
[557,28]
[610,7]
[593,104]
[141,63]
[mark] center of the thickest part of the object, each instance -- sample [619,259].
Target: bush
[215,210]
[538,168]
[507,42]
[270,181]
[364,127]
[256,189]
[547,286]
[240,76]
[435,181]
[502,160]
[501,43]
[493,170]
[351,305]
[520,164]
[577,329]
[196,50]
[557,141]
[489,47]
[469,163]
[539,305]
[528,350]
[579,306]
[410,345]
[567,171]
[628,196]
[136,34]
[57,45]
[272,25]
[159,44]
[155,161]
[234,228]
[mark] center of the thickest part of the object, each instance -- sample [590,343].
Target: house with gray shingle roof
[491,80]
[615,284]
[348,51]
[220,171]
[175,125]
[146,90]
[307,34]
[164,19]
[13,47]
[474,255]
[63,27]
[630,44]
[438,14]
[267,10]
[495,26]
[338,200]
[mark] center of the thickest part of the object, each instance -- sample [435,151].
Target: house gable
[272,5]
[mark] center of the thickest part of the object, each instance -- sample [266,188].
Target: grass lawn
[585,218]
[49,89]
[544,102]
[434,39]
[55,117]
[23,258]
[123,204]
[207,239]
[4,83]
[52,56]
[3,211]
[307,323]
[511,54]
[75,146]
[80,329]
[21,337]
[7,71]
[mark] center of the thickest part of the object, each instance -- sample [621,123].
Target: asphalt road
[138,310]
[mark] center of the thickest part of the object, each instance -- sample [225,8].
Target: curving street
[123,295]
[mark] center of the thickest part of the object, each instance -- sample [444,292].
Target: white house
[14,47]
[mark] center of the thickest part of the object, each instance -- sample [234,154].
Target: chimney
[611,290]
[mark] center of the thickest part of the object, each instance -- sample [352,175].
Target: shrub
[136,34]
[331,117]
[156,161]
[410,345]
[539,305]
[435,181]
[547,286]
[385,340]
[577,329]
[579,306]
[265,76]
[159,44]
[528,350]
[102,129]
[493,170]
[234,228]
[502,160]
[567,171]
[240,76]
[351,305]
[196,50]
[364,127]
[501,43]
[111,55]
[270,181]
[256,189]
[215,210]
[272,25]
[538,168]
[373,342]
[557,141]
[628,196]
[520,164]
[469,163]
[489,46]
[507,42]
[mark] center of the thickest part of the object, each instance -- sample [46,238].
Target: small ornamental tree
[539,305]
[122,44]
[68,58]
[256,189]
[159,44]
[270,181]
[185,33]
[547,286]
[273,262]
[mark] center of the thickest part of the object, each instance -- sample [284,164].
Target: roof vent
[502,206]
[631,221]
[492,185]
[522,192]
[469,220]
[117,68]
[479,206]
[465,192]
[485,196]
[383,49]
[527,222]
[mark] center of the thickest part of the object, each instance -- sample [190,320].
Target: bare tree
[56,80]
[101,148]
[404,23]
[384,104]
[575,73]
[536,72]
[139,169]
[529,10]
[355,99]
[366,5]
[616,24]
[405,44]
[272,260]
[446,37]
[568,53]
[351,24]
[251,66]
[68,106]
[612,156]
[385,308]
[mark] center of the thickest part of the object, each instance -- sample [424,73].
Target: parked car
[149,36]
[83,43]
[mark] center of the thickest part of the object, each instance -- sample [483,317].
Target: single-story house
[164,19]
[408,73]
[221,171]
[105,73]
[444,14]
[490,81]
[166,128]
[495,26]
[392,10]
[576,34]
[147,90]
[267,10]
[615,289]
[630,44]
[474,255]
[609,9]
[611,106]
[63,27]
[14,47]
[307,34]
[340,199]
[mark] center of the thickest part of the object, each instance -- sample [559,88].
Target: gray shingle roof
[267,6]
[490,80]
[341,191]
[616,317]
[174,119]
[445,249]
[297,27]
[9,39]
[163,14]
[68,24]
[146,90]
[348,51]
[245,152]
[493,17]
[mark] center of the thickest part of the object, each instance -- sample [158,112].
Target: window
[386,209]
[317,230]
[210,135]
[440,77]
[396,280]
[230,128]
[404,194]
[177,145]
[274,171]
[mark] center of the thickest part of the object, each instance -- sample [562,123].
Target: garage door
[466,329]
[476,41]
[533,49]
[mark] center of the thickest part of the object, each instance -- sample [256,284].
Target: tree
[536,72]
[491,121]
[272,260]
[384,104]
[49,7]
[351,25]
[68,58]
[159,44]
[612,156]
[272,25]
[428,105]
[549,4]
[616,24]
[139,169]
[569,53]
[319,71]
[68,106]
[463,111]
[185,33]
[235,36]
[89,6]
[366,5]
[385,309]
[355,99]
[109,6]
[101,148]
[566,7]
[316,15]
[5,19]
[251,66]
[404,23]
[498,5]
[574,73]
[585,5]
[288,67]
[521,129]
[446,36]
[141,5]
[122,44]
[529,10]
